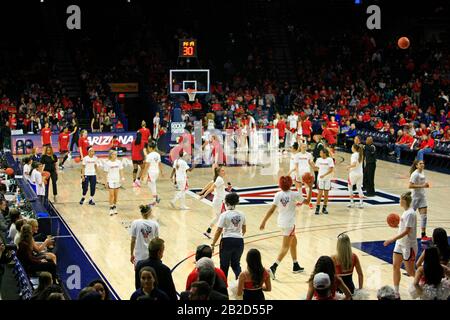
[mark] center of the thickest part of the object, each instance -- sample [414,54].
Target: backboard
[183,79]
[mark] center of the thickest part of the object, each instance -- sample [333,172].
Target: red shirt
[119,126]
[406,139]
[196,106]
[97,106]
[145,132]
[83,144]
[193,276]
[281,126]
[334,127]
[115,143]
[63,141]
[328,135]
[46,134]
[379,125]
[429,143]
[136,151]
[306,127]
[13,123]
[402,122]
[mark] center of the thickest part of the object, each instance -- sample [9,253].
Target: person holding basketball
[179,177]
[405,249]
[418,184]
[286,203]
[302,166]
[325,167]
[355,175]
[114,169]
[292,165]
[153,166]
[219,196]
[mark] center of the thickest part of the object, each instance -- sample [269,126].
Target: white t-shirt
[180,167]
[231,221]
[211,124]
[324,166]
[36,177]
[408,220]
[89,165]
[355,160]
[286,202]
[144,230]
[303,159]
[418,178]
[153,158]
[26,171]
[292,119]
[219,193]
[113,169]
[156,121]
[292,161]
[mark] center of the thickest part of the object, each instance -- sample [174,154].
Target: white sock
[396,289]
[423,220]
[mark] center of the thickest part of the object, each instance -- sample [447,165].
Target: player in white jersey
[325,166]
[303,162]
[114,169]
[179,177]
[219,196]
[156,126]
[355,175]
[405,242]
[153,167]
[292,165]
[89,175]
[286,202]
[142,232]
[418,183]
[291,136]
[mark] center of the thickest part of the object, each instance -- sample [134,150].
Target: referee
[370,152]
[232,225]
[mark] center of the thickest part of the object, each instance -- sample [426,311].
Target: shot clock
[188,48]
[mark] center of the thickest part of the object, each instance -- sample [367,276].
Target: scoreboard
[188,48]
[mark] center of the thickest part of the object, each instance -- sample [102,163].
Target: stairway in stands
[276,36]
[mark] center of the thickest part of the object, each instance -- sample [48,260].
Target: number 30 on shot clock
[188,48]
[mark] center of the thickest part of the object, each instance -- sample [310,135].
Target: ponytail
[407,197]
[359,149]
[216,173]
[413,166]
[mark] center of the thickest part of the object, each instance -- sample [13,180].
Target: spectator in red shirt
[405,142]
[402,120]
[63,141]
[116,145]
[13,122]
[379,125]
[97,106]
[119,125]
[46,135]
[426,146]
[204,251]
[83,144]
[328,135]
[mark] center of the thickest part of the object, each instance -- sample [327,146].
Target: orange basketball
[308,178]
[403,43]
[393,220]
[77,159]
[46,176]
[9,171]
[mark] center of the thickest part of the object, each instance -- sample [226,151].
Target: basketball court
[107,241]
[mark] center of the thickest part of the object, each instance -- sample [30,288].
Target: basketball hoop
[191,93]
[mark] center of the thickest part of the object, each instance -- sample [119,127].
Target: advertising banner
[22,144]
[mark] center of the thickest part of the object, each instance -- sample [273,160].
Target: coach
[370,152]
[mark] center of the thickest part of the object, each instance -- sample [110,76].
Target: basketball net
[191,93]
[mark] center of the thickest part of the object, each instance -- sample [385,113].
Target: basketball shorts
[300,175]
[138,162]
[113,185]
[182,185]
[355,179]
[419,203]
[408,252]
[218,206]
[324,184]
[288,232]
[63,151]
[153,176]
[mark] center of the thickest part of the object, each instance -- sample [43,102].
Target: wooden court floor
[107,240]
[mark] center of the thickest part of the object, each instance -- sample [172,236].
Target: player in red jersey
[137,156]
[145,132]
[46,135]
[83,144]
[63,142]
